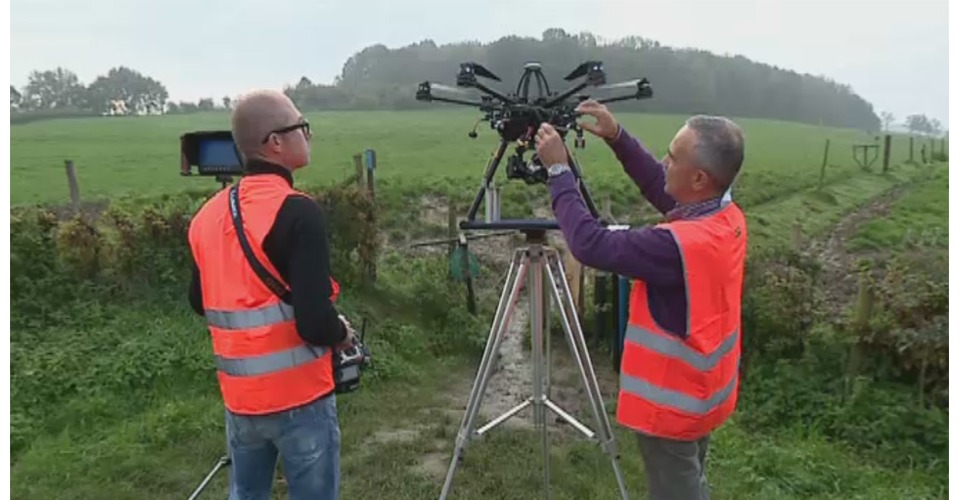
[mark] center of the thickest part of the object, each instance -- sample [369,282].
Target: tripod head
[517,117]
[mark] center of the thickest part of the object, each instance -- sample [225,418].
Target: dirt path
[840,275]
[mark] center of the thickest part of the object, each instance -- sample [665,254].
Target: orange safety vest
[263,365]
[685,388]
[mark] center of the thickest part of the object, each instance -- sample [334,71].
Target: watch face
[558,169]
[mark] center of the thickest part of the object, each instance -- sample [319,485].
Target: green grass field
[119,400]
[140,156]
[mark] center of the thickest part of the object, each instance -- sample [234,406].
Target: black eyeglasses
[303,125]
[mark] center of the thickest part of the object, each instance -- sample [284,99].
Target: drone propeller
[479,70]
[593,70]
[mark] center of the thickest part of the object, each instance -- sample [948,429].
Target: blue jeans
[307,439]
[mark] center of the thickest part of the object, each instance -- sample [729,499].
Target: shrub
[800,375]
[139,247]
[906,337]
[781,303]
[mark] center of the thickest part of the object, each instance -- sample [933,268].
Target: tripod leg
[223,462]
[547,302]
[487,179]
[536,298]
[584,353]
[490,352]
[575,335]
[497,332]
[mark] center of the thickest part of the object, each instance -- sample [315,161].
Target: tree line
[122,91]
[684,81]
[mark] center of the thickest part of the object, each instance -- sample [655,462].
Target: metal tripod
[531,262]
[223,462]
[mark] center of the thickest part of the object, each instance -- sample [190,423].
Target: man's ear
[701,181]
[274,143]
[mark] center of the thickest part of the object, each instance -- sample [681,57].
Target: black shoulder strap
[268,279]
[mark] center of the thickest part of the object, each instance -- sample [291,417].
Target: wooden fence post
[451,222]
[74,186]
[911,148]
[823,167]
[358,163]
[886,153]
[861,324]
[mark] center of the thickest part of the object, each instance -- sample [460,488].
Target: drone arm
[619,98]
[455,101]
[643,91]
[487,90]
[562,97]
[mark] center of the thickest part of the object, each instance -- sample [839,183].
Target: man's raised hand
[606,126]
[550,146]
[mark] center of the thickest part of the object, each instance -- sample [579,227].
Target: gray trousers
[676,470]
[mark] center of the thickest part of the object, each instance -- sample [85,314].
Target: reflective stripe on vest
[685,387]
[240,320]
[675,399]
[675,348]
[269,363]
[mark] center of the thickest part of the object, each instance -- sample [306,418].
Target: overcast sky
[891,52]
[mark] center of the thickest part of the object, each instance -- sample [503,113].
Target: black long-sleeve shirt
[297,247]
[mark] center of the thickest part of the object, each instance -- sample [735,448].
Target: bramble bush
[782,301]
[906,338]
[139,245]
[797,371]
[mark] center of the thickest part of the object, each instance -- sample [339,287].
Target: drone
[517,116]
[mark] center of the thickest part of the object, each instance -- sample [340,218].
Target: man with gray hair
[679,373]
[262,280]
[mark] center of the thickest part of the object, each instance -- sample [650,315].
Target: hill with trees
[684,81]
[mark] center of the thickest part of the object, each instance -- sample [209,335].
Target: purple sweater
[648,254]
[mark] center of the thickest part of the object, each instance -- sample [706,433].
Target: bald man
[268,298]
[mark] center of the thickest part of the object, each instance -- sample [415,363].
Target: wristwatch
[557,169]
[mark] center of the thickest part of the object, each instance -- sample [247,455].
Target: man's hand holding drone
[550,147]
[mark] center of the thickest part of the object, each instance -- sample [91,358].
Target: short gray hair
[719,147]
